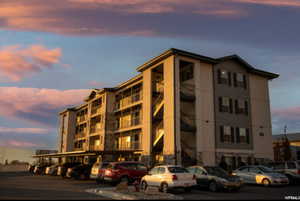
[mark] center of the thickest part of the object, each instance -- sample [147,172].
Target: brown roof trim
[249,67]
[171,52]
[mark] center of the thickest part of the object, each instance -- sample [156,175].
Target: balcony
[95,110]
[128,101]
[80,135]
[96,129]
[95,148]
[127,123]
[128,146]
[81,118]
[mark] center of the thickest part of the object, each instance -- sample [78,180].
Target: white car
[261,175]
[167,177]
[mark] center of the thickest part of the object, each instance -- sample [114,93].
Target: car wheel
[266,182]
[213,187]
[144,185]
[164,187]
[291,180]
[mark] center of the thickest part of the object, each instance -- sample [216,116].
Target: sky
[53,52]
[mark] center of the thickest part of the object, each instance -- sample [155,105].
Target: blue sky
[53,52]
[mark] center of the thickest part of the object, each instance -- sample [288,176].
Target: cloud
[17,62]
[36,105]
[20,144]
[232,21]
[288,3]
[23,130]
[286,116]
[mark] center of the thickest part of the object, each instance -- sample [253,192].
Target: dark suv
[62,170]
[128,172]
[81,171]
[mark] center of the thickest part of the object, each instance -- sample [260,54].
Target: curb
[112,194]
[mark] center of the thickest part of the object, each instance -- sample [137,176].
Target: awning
[85,153]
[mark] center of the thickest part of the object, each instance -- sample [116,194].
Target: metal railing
[157,101]
[135,97]
[127,146]
[127,123]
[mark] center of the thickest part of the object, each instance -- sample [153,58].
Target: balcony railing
[81,118]
[158,87]
[127,146]
[80,135]
[127,124]
[95,129]
[95,148]
[128,100]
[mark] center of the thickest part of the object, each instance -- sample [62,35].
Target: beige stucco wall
[205,112]
[169,111]
[261,117]
[147,115]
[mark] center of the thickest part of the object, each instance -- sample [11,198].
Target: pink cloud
[24,130]
[22,144]
[37,105]
[289,3]
[289,113]
[17,63]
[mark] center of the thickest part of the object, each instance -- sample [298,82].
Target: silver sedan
[261,175]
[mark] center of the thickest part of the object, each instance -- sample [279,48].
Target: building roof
[292,137]
[174,51]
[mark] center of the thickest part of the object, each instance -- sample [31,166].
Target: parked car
[81,171]
[97,171]
[31,168]
[291,169]
[62,169]
[40,169]
[117,172]
[168,177]
[215,178]
[51,170]
[261,175]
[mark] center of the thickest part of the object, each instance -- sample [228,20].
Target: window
[161,170]
[241,106]
[291,165]
[177,170]
[154,171]
[225,104]
[224,77]
[186,71]
[242,135]
[141,167]
[227,134]
[239,80]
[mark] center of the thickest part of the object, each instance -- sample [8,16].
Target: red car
[117,172]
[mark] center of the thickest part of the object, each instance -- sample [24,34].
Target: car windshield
[266,169]
[216,171]
[177,170]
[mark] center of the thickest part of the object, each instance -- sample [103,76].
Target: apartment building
[181,108]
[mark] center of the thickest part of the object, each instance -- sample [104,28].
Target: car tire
[266,182]
[164,188]
[213,186]
[144,186]
[291,180]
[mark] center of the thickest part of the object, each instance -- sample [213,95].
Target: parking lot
[27,186]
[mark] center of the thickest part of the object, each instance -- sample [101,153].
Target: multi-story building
[182,108]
